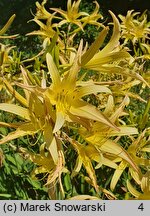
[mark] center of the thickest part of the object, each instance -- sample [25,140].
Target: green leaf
[5,195]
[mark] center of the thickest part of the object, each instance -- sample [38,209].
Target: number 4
[141,207]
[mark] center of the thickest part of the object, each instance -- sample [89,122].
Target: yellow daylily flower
[67,97]
[41,12]
[143,181]
[109,59]
[99,136]
[83,159]
[136,147]
[106,145]
[72,15]
[44,161]
[37,114]
[94,17]
[145,187]
[105,60]
[135,29]
[46,30]
[45,164]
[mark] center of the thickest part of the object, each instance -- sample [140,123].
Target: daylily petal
[48,135]
[63,13]
[15,109]
[80,120]
[99,132]
[89,111]
[85,161]
[77,167]
[11,125]
[45,162]
[114,148]
[116,176]
[84,197]
[21,99]
[95,155]
[124,130]
[114,38]
[59,121]
[100,60]
[58,168]
[43,26]
[54,150]
[72,76]
[94,47]
[91,89]
[24,129]
[106,162]
[53,70]
[132,190]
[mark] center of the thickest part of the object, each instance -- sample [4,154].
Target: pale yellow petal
[98,60]
[132,190]
[21,99]
[117,174]
[114,148]
[24,129]
[59,121]
[84,197]
[10,125]
[124,130]
[53,71]
[77,167]
[92,89]
[15,109]
[114,38]
[94,47]
[89,111]
[72,76]
[54,150]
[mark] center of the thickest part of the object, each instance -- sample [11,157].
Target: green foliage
[15,180]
